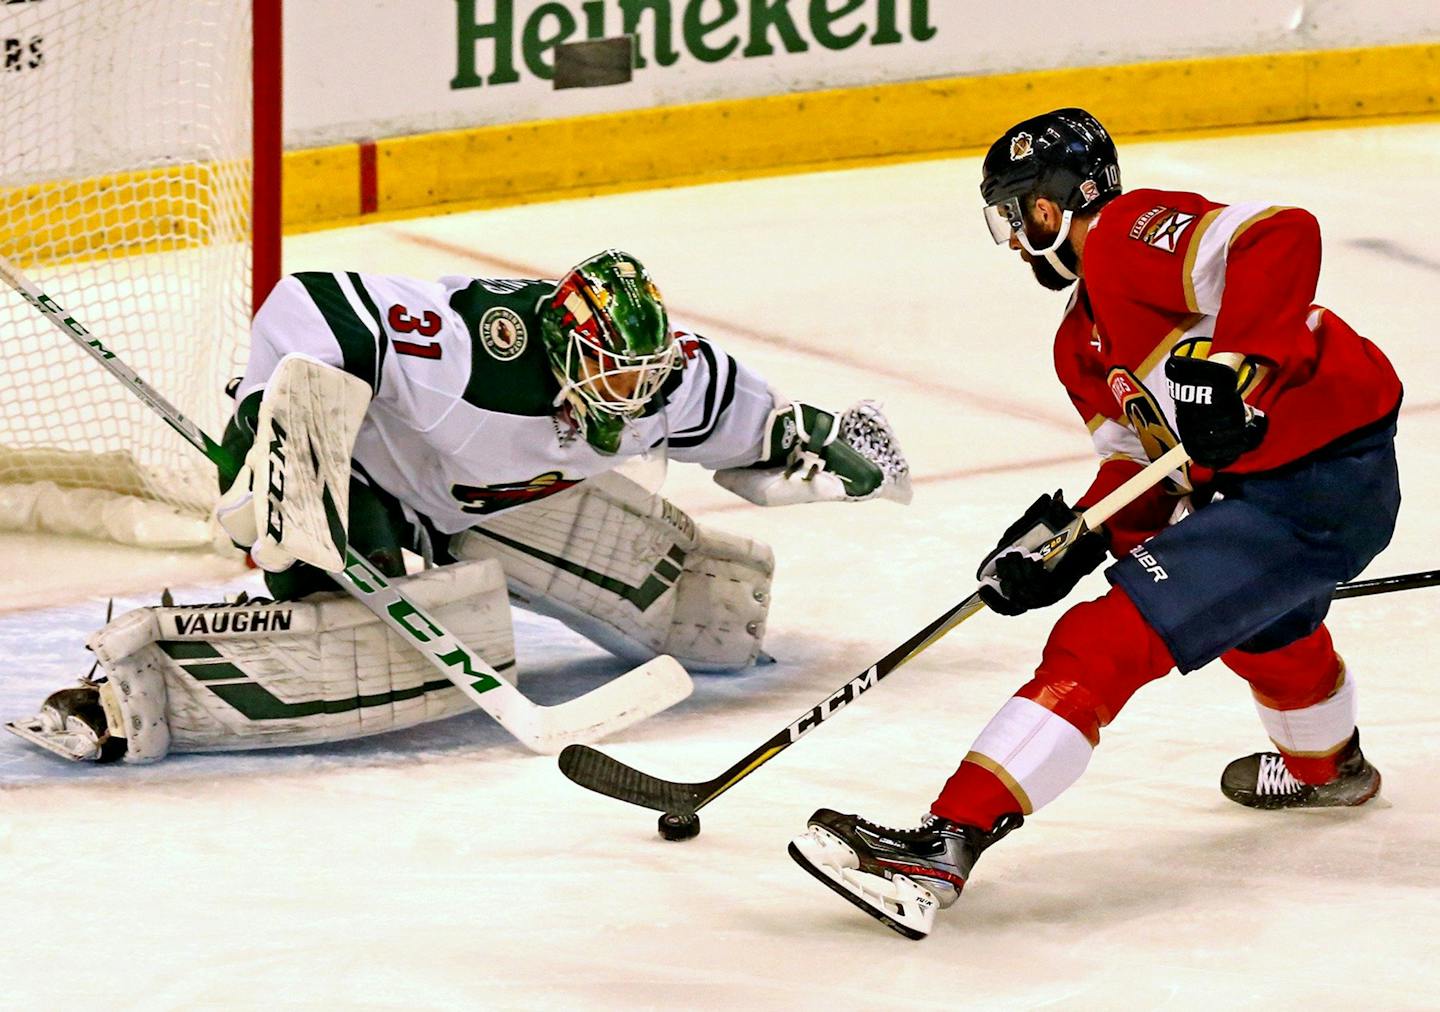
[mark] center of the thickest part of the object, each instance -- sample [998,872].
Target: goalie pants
[1247,579]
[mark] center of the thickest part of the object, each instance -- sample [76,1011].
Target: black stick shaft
[846,694]
[596,771]
[1386,584]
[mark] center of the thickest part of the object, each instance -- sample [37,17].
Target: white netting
[125,195]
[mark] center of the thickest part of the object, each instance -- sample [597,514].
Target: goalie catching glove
[291,499]
[810,455]
[1014,578]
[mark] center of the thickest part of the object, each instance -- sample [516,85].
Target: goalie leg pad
[633,573]
[228,677]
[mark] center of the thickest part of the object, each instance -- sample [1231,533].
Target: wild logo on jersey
[503,333]
[1145,417]
[486,499]
[1161,227]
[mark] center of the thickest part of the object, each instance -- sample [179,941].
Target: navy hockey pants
[1256,568]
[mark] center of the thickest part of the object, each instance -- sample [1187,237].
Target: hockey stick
[635,695]
[1385,584]
[593,769]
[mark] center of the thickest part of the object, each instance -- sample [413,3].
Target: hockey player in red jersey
[1190,321]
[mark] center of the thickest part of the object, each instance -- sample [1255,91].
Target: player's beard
[1044,272]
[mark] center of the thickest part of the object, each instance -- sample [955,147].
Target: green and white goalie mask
[610,344]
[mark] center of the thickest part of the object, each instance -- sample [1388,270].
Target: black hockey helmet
[1065,155]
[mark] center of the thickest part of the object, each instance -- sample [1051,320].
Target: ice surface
[446,867]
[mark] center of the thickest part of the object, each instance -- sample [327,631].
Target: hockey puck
[679,827]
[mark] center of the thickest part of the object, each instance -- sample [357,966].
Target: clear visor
[1004,218]
[615,383]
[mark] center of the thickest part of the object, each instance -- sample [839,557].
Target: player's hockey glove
[1214,422]
[1015,579]
[809,455]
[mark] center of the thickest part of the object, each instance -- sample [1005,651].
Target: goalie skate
[74,724]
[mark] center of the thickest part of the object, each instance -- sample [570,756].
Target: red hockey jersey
[1161,267]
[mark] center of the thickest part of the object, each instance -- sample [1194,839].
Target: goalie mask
[609,342]
[1066,156]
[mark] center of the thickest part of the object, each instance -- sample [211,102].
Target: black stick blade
[596,771]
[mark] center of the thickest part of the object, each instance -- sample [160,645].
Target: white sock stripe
[1041,751]
[1316,729]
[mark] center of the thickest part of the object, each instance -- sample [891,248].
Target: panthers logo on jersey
[486,499]
[1145,416]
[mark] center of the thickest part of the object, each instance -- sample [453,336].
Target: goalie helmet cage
[140,185]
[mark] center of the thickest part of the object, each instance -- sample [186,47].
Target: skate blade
[899,903]
[65,746]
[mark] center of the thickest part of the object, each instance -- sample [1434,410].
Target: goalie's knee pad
[241,676]
[633,573]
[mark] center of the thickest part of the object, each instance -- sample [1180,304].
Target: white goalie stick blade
[899,902]
[639,693]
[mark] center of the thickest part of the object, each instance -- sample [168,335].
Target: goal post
[139,182]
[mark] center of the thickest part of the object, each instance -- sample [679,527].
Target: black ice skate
[1262,781]
[898,876]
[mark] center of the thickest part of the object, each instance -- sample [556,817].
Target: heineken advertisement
[447,64]
[381,68]
[495,45]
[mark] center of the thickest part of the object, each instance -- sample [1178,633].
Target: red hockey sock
[1296,677]
[1099,653]
[1314,769]
[973,796]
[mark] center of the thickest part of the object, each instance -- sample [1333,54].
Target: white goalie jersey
[463,421]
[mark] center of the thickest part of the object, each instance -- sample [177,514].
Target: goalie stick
[635,695]
[593,769]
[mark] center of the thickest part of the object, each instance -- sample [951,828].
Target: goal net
[126,192]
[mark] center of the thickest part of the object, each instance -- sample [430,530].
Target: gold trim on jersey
[1095,423]
[1255,219]
[1191,253]
[1166,343]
